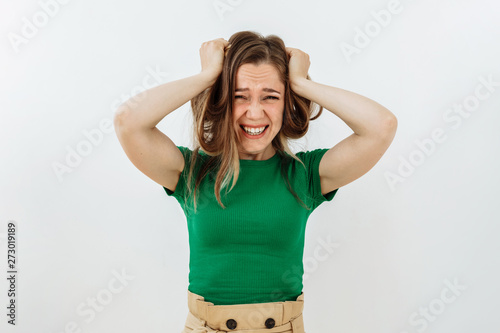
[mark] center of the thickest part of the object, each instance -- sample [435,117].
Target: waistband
[249,318]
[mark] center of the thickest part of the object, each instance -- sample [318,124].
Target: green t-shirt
[251,251]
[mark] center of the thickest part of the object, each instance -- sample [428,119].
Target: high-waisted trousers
[273,317]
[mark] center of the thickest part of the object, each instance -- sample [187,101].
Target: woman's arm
[364,116]
[157,102]
[374,126]
[374,129]
[151,151]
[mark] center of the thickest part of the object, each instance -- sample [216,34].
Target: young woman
[245,194]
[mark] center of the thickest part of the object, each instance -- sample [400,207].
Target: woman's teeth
[254,131]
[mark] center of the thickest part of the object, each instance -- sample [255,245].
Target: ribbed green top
[251,251]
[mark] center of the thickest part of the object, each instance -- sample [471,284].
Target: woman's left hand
[298,65]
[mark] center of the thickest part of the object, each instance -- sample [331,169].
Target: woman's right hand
[212,55]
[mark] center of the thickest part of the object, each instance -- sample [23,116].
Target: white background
[397,243]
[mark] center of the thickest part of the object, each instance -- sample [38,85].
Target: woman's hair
[212,113]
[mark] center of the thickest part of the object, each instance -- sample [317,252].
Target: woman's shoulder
[199,161]
[310,158]
[187,151]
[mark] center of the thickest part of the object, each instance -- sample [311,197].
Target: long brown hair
[212,114]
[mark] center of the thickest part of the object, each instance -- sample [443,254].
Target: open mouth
[254,131]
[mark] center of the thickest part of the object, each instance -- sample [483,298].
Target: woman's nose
[255,110]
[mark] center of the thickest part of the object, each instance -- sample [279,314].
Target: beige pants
[274,317]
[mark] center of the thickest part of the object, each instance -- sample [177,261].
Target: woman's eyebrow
[264,89]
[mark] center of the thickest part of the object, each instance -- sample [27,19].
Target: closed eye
[239,96]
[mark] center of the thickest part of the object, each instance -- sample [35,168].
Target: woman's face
[258,103]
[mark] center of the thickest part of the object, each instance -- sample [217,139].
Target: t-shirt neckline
[250,163]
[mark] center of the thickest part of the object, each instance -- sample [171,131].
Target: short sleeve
[180,188]
[311,160]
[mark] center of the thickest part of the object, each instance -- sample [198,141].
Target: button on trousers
[273,317]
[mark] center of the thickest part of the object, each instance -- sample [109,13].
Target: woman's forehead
[261,76]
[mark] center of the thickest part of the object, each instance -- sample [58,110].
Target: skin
[255,107]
